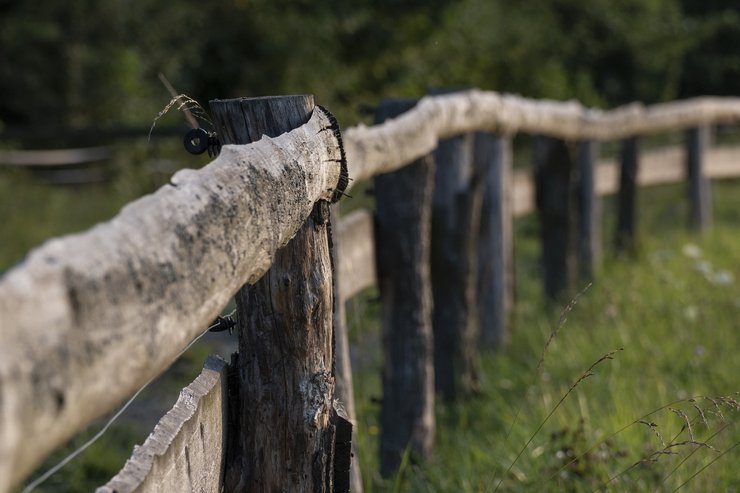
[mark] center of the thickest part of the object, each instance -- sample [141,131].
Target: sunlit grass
[674,309]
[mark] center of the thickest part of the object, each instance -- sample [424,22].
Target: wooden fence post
[402,235]
[284,437]
[589,211]
[553,180]
[700,191]
[495,287]
[456,208]
[344,390]
[625,236]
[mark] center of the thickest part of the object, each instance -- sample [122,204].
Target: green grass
[678,328]
[677,321]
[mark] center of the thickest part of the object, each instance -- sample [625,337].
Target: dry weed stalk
[729,403]
[561,322]
[586,374]
[184,103]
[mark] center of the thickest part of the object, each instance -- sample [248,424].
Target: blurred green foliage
[85,62]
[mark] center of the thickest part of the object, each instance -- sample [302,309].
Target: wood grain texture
[403,222]
[344,390]
[356,259]
[495,272]
[629,164]
[589,211]
[699,189]
[383,148]
[284,437]
[657,167]
[184,453]
[88,318]
[554,178]
[455,223]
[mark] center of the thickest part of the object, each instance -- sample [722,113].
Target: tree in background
[95,62]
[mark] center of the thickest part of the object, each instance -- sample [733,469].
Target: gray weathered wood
[383,148]
[54,157]
[284,437]
[131,293]
[356,262]
[589,211]
[723,162]
[699,190]
[185,450]
[555,191]
[658,166]
[403,223]
[625,235]
[495,286]
[344,390]
[455,209]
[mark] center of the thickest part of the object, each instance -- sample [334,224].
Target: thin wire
[38,481]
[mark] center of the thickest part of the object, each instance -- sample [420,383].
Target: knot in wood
[317,394]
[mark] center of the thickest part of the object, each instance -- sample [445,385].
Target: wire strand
[41,479]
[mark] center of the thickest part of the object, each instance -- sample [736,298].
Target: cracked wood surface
[399,141]
[88,318]
[185,450]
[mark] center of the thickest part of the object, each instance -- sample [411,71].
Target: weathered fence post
[284,438]
[625,236]
[495,287]
[700,191]
[344,390]
[456,208]
[589,211]
[553,180]
[402,235]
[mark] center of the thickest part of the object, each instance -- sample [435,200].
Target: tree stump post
[495,284]
[402,235]
[589,211]
[700,189]
[285,427]
[455,211]
[554,193]
[627,198]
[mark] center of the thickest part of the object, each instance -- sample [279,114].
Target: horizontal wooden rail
[130,294]
[88,318]
[356,253]
[55,157]
[657,167]
[399,141]
[186,448]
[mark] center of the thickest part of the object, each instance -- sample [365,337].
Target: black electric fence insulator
[221,324]
[199,140]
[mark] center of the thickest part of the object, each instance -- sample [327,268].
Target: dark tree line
[95,62]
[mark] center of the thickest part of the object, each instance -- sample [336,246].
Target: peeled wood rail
[657,167]
[131,293]
[186,448]
[382,148]
[56,157]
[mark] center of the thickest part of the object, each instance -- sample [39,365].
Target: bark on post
[589,211]
[284,436]
[344,390]
[625,236]
[700,191]
[455,209]
[403,227]
[553,180]
[495,283]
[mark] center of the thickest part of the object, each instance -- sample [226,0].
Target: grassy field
[671,315]
[671,312]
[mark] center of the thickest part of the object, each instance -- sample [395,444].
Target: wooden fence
[89,318]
